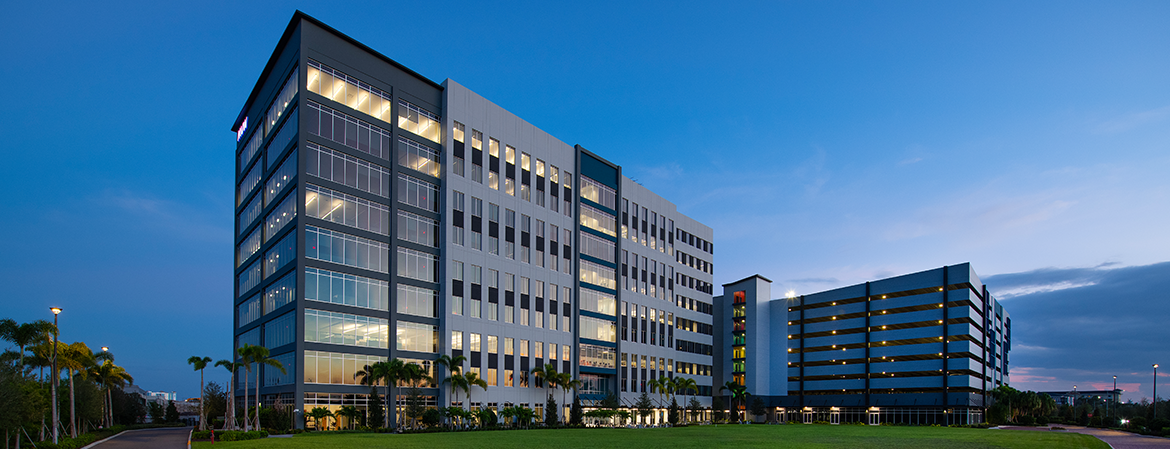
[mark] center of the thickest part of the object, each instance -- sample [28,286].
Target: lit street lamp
[1155,391]
[56,374]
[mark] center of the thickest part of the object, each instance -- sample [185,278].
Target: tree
[109,375]
[738,392]
[25,334]
[216,397]
[259,356]
[158,413]
[392,371]
[172,415]
[349,412]
[376,415]
[453,365]
[717,407]
[576,413]
[547,375]
[694,407]
[643,405]
[318,414]
[567,384]
[230,415]
[245,355]
[74,358]
[473,380]
[758,408]
[199,363]
[683,385]
[673,417]
[550,411]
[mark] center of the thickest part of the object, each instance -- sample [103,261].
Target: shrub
[1026,420]
[1042,420]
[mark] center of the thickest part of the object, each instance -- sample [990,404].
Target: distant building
[1075,397]
[873,352]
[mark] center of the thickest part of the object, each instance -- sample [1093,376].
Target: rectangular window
[250,277]
[342,288]
[280,331]
[345,169]
[598,220]
[595,301]
[249,246]
[418,193]
[248,184]
[418,157]
[337,86]
[598,247]
[281,178]
[287,135]
[596,356]
[346,329]
[492,377]
[417,337]
[335,368]
[281,292]
[345,249]
[417,301]
[346,209]
[249,214]
[342,129]
[280,217]
[598,275]
[249,311]
[475,342]
[417,120]
[597,329]
[418,229]
[417,265]
[493,344]
[457,340]
[598,193]
[281,254]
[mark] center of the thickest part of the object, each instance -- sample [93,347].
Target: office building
[380,214]
[921,348]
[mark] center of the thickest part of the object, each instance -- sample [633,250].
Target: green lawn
[801,436]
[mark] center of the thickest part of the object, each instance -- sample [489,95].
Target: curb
[116,435]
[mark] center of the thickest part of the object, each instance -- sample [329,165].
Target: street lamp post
[1113,397]
[56,375]
[1155,391]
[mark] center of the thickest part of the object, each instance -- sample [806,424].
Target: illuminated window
[417,120]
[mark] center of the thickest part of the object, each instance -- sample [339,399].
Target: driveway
[166,438]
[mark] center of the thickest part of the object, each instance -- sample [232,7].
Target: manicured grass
[723,436]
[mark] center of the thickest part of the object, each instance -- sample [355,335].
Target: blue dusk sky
[827,143]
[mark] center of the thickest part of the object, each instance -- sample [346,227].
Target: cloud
[909,161]
[175,218]
[1081,326]
[1133,120]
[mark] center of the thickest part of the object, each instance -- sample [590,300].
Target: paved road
[167,438]
[1117,439]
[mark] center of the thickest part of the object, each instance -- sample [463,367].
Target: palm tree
[230,413]
[453,365]
[392,371]
[458,382]
[413,374]
[737,392]
[658,385]
[683,384]
[245,355]
[349,412]
[75,357]
[547,373]
[199,364]
[473,380]
[260,357]
[318,414]
[25,334]
[567,384]
[109,375]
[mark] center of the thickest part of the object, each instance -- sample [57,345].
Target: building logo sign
[240,131]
